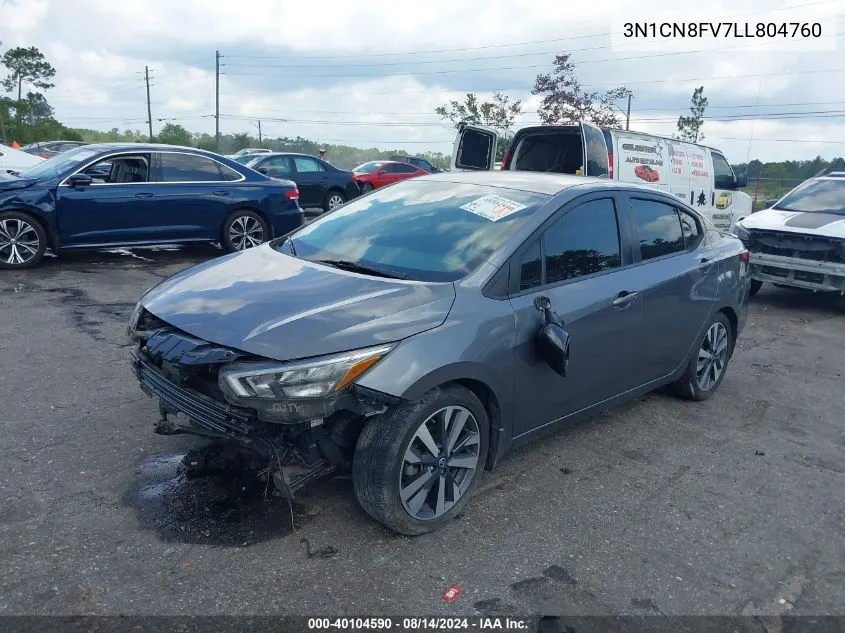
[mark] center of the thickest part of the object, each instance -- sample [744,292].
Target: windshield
[424,231]
[816,196]
[247,159]
[368,168]
[61,163]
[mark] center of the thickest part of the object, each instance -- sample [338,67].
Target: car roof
[151,147]
[535,182]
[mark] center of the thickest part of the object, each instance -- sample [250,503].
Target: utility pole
[260,141]
[149,109]
[628,115]
[217,100]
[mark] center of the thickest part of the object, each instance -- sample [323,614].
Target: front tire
[416,466]
[23,241]
[708,365]
[244,229]
[366,187]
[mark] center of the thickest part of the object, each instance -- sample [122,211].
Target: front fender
[40,202]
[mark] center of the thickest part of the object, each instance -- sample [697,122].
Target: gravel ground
[732,506]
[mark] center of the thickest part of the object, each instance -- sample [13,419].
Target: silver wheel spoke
[439,463]
[464,461]
[425,437]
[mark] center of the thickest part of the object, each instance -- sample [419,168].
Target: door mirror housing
[262,170]
[79,180]
[552,341]
[741,180]
[381,172]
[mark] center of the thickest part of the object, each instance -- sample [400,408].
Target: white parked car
[800,241]
[14,160]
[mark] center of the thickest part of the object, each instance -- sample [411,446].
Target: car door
[117,209]
[277,167]
[680,277]
[401,171]
[194,194]
[312,181]
[582,262]
[474,148]
[595,151]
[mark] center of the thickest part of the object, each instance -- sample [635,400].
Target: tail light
[292,194]
[610,164]
[505,160]
[744,256]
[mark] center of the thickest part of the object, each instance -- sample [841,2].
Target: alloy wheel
[439,463]
[335,200]
[19,241]
[246,232]
[712,356]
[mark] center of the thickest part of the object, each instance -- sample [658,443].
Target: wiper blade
[355,267]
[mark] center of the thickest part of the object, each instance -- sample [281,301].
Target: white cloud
[100,48]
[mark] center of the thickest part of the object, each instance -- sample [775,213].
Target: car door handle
[221,192]
[705,264]
[144,195]
[624,299]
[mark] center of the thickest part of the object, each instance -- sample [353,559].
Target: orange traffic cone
[15,145]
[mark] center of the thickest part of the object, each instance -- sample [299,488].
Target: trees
[565,101]
[499,113]
[174,134]
[26,65]
[689,127]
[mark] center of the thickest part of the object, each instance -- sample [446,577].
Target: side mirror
[79,180]
[552,340]
[381,172]
[741,180]
[768,204]
[262,170]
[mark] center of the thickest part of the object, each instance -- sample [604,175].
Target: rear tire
[756,284]
[366,188]
[709,363]
[23,241]
[333,200]
[416,466]
[244,229]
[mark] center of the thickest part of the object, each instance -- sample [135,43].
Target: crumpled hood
[820,224]
[267,303]
[15,183]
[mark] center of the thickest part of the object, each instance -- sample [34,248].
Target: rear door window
[659,228]
[305,165]
[177,167]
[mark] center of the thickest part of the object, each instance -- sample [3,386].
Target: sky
[371,73]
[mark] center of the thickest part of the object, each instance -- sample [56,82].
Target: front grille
[203,410]
[784,244]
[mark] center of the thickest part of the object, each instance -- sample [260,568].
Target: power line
[466,59]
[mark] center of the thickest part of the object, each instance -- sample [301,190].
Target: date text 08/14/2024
[479,623]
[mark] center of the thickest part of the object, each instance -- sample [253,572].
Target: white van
[697,174]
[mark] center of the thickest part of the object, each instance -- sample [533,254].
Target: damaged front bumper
[309,439]
[798,272]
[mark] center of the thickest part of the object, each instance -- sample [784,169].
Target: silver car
[417,334]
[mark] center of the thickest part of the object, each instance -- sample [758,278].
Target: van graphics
[644,172]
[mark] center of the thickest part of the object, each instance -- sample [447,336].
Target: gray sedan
[420,332]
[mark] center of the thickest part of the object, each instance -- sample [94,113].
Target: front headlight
[308,379]
[742,233]
[133,319]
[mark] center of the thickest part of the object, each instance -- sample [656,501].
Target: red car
[644,172]
[378,173]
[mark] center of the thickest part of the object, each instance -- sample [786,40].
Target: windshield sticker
[493,207]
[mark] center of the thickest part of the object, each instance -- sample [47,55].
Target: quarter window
[690,230]
[531,267]
[659,228]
